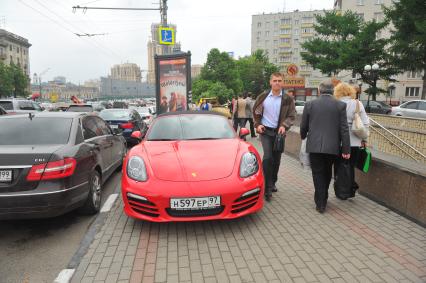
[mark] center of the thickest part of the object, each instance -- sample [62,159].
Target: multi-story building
[280,35]
[196,70]
[126,72]
[154,48]
[409,84]
[14,49]
[119,88]
[64,92]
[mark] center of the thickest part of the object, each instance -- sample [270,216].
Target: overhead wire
[61,25]
[99,45]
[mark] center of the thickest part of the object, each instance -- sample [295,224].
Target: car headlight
[249,165]
[136,169]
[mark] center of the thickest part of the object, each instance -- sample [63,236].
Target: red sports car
[192,166]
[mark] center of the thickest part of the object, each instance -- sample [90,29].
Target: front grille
[143,207]
[195,212]
[245,202]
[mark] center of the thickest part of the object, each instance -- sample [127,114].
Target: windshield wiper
[203,139]
[161,139]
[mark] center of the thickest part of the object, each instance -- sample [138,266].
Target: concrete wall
[393,182]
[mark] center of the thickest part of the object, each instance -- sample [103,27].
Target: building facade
[56,92]
[126,72]
[154,48]
[409,85]
[195,70]
[15,49]
[118,88]
[281,35]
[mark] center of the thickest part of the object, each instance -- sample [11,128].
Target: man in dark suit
[325,125]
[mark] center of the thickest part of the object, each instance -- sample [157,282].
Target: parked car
[120,104]
[300,105]
[192,166]
[378,107]
[55,162]
[2,111]
[413,108]
[16,105]
[80,108]
[146,114]
[126,120]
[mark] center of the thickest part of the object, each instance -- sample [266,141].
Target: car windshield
[35,131]
[7,105]
[115,115]
[191,127]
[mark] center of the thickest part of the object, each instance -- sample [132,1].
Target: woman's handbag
[358,128]
[342,180]
[279,143]
[364,160]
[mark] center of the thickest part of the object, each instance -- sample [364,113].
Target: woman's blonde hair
[344,89]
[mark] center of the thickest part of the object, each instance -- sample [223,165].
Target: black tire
[93,201]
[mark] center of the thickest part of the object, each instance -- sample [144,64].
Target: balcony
[285,35]
[307,25]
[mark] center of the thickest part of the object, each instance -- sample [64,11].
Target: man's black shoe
[320,209]
[268,198]
[274,189]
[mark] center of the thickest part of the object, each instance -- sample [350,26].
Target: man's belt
[271,129]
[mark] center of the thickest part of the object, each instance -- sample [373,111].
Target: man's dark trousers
[271,160]
[322,168]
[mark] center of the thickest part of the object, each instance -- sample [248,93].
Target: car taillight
[52,170]
[126,125]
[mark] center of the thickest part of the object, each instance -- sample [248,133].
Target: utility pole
[163,12]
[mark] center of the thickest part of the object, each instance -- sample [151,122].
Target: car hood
[192,161]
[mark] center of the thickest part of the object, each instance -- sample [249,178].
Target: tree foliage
[346,42]
[13,81]
[408,36]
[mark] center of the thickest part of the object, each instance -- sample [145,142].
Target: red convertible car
[192,166]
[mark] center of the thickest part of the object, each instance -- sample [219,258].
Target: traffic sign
[166,36]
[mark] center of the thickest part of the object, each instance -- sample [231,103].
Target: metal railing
[399,140]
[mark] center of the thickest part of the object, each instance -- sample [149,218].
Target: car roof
[49,115]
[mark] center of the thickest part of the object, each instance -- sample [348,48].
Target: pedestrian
[273,113]
[204,105]
[249,113]
[324,124]
[347,93]
[240,115]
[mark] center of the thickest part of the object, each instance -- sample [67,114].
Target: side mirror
[117,131]
[137,135]
[243,133]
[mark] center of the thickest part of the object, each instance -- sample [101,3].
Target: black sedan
[377,107]
[54,162]
[125,120]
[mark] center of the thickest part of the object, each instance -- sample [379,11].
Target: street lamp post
[372,72]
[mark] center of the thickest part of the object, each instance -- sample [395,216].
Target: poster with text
[173,82]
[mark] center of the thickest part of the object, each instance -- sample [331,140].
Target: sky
[50,26]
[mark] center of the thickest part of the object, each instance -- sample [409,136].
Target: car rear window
[80,108]
[110,115]
[7,105]
[35,131]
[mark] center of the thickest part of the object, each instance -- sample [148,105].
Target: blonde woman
[347,93]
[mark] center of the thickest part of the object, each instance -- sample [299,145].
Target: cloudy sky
[50,25]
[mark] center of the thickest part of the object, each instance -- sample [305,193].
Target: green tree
[346,42]
[408,36]
[6,81]
[222,68]
[20,81]
[255,71]
[203,88]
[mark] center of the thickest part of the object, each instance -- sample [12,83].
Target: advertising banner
[173,82]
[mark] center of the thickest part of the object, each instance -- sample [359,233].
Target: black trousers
[252,130]
[322,170]
[271,161]
[239,122]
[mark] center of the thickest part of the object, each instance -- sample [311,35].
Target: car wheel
[93,201]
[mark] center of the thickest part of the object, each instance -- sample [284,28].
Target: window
[259,24]
[410,105]
[259,33]
[378,2]
[412,91]
[360,2]
[285,31]
[286,21]
[296,22]
[275,42]
[275,51]
[422,106]
[90,128]
[413,75]
[296,41]
[267,33]
[103,126]
[296,32]
[378,17]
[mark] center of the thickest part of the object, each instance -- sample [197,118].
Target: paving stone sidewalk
[356,240]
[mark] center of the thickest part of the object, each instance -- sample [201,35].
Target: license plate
[114,126]
[5,175]
[195,203]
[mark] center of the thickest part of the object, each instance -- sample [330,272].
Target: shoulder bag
[358,128]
